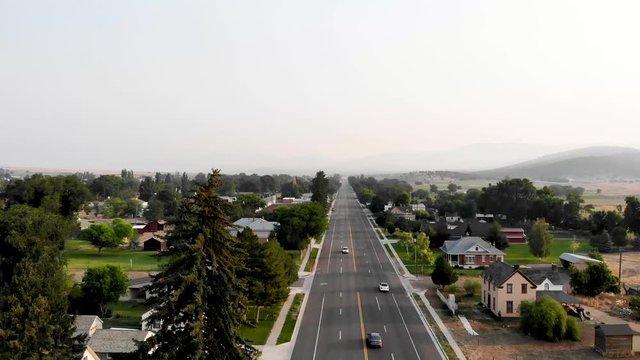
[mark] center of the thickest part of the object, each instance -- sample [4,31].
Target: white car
[384,287]
[345,250]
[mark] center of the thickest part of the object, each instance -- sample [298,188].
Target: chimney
[554,267]
[516,267]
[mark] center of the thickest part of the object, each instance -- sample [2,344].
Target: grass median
[312,259]
[292,318]
[444,343]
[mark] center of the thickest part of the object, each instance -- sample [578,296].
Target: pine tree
[33,287]
[443,273]
[320,189]
[198,297]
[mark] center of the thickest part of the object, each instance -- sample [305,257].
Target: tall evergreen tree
[496,237]
[33,287]
[198,297]
[443,273]
[320,189]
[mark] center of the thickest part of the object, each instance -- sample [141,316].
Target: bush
[471,287]
[453,289]
[544,319]
[595,254]
[574,330]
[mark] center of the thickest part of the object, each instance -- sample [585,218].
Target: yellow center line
[364,341]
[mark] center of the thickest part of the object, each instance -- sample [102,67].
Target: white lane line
[385,328]
[378,302]
[340,293]
[405,326]
[392,357]
[340,311]
[340,269]
[340,335]
[331,247]
[369,271]
[315,348]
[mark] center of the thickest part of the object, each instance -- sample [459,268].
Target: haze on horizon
[242,85]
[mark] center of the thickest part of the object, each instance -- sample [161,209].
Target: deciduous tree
[101,236]
[540,239]
[104,285]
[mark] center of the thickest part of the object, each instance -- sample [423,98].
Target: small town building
[580,261]
[515,235]
[504,288]
[402,213]
[153,241]
[150,227]
[616,340]
[260,227]
[471,252]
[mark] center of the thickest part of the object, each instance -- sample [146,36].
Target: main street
[344,303]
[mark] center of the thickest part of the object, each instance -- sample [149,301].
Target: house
[485,217]
[580,261]
[418,207]
[402,214]
[137,288]
[147,324]
[515,235]
[479,229]
[260,227]
[150,227]
[112,343]
[86,324]
[616,340]
[504,288]
[452,218]
[153,241]
[471,252]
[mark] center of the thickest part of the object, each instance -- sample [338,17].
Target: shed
[616,340]
[155,244]
[580,261]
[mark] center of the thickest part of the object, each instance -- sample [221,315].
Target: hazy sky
[190,85]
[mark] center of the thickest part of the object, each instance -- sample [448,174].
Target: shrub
[471,287]
[595,254]
[574,330]
[453,289]
[544,319]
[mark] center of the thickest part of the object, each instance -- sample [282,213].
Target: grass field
[312,259]
[258,334]
[290,322]
[125,314]
[82,255]
[520,254]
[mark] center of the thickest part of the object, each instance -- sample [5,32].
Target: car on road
[374,340]
[383,286]
[345,250]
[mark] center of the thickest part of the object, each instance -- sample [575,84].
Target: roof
[83,323]
[559,296]
[615,330]
[480,229]
[465,244]
[256,224]
[499,272]
[537,275]
[575,258]
[518,230]
[117,341]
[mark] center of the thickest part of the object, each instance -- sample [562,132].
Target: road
[344,303]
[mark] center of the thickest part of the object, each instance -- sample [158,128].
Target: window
[524,288]
[509,289]
[470,259]
[509,307]
[546,286]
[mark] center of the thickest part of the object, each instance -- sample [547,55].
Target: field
[82,255]
[520,253]
[258,334]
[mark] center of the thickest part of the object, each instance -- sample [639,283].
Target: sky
[244,85]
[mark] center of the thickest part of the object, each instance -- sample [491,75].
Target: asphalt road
[345,304]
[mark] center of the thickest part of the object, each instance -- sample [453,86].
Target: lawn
[125,314]
[82,255]
[407,259]
[258,334]
[520,253]
[290,322]
[312,259]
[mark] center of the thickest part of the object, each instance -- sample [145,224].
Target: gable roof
[481,229]
[256,224]
[117,341]
[83,323]
[538,275]
[615,330]
[462,246]
[559,296]
[499,272]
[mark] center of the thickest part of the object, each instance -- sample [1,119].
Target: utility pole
[620,268]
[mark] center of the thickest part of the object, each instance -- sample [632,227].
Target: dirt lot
[503,340]
[630,266]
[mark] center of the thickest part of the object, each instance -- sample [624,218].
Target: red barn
[515,235]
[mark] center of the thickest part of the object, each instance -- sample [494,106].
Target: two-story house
[503,289]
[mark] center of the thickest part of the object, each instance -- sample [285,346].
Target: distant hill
[593,163]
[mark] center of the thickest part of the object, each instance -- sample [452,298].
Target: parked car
[384,287]
[374,340]
[345,250]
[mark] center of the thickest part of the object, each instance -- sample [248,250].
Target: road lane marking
[340,335]
[315,348]
[385,328]
[340,293]
[392,357]
[405,326]
[340,269]
[364,341]
[331,247]
[340,311]
[353,253]
[378,302]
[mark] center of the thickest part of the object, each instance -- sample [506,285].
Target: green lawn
[82,255]
[258,334]
[290,322]
[125,314]
[312,259]
[407,259]
[520,253]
